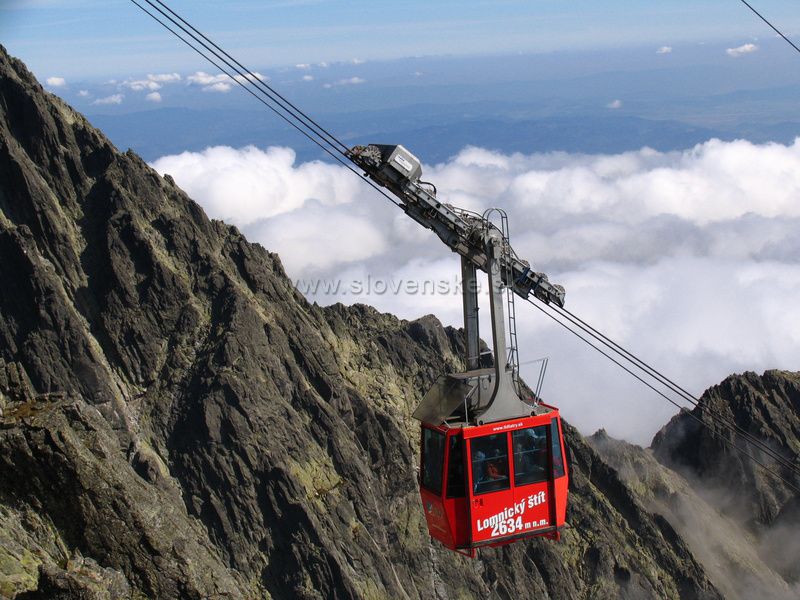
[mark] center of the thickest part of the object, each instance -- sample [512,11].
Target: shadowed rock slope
[765,406]
[768,407]
[724,545]
[177,421]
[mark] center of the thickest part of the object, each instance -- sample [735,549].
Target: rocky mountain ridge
[767,407]
[766,507]
[178,421]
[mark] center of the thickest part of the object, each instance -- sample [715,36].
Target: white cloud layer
[221,82]
[221,86]
[153,97]
[140,85]
[347,81]
[248,186]
[664,50]
[741,50]
[56,82]
[151,83]
[251,77]
[108,100]
[165,77]
[691,259]
[203,78]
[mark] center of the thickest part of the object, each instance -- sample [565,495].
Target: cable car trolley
[493,466]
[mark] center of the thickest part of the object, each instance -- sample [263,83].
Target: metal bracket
[504,402]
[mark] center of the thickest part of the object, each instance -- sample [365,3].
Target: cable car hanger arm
[464,232]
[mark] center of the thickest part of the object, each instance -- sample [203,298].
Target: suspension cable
[651,372]
[662,379]
[703,423]
[775,29]
[258,82]
[332,146]
[246,75]
[666,381]
[242,83]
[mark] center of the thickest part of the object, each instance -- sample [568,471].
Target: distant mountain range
[433,135]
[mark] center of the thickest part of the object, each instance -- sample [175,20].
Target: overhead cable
[259,94]
[775,29]
[540,307]
[282,101]
[332,146]
[669,383]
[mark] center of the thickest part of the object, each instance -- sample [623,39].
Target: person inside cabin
[536,438]
[523,461]
[494,471]
[490,463]
[479,469]
[530,455]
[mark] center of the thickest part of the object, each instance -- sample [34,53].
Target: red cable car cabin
[489,485]
[492,467]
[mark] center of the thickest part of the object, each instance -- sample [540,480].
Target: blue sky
[88,38]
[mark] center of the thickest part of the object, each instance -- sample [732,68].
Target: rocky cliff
[767,407]
[177,421]
[725,547]
[740,522]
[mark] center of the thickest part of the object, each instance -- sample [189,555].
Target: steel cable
[332,146]
[713,431]
[775,29]
[332,153]
[308,121]
[666,381]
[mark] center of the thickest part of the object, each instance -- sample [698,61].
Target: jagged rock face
[176,413]
[723,545]
[767,407]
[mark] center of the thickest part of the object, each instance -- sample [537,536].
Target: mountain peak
[765,406]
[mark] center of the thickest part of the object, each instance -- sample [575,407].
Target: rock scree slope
[178,421]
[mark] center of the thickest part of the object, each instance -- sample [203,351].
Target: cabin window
[432,460]
[530,455]
[455,468]
[489,456]
[558,458]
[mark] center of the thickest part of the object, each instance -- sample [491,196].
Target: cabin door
[532,480]
[493,511]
